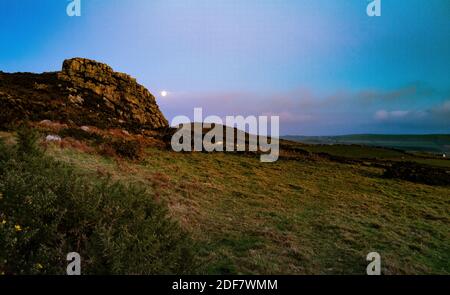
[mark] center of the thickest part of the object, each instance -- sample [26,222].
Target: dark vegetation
[48,209]
[80,134]
[418,173]
[131,149]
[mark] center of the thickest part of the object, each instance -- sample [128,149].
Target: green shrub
[130,149]
[4,151]
[48,209]
[27,139]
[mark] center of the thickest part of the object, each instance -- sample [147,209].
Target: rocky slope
[85,92]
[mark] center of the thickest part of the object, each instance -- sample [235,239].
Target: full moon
[164,93]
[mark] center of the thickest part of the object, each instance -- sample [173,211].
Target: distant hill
[434,143]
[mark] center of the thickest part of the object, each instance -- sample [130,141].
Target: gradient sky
[323,66]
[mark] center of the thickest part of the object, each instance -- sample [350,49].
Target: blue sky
[323,66]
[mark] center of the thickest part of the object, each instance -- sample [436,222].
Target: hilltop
[84,92]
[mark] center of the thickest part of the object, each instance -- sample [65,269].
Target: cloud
[381,115]
[412,91]
[442,110]
[433,118]
[302,111]
[386,115]
[289,117]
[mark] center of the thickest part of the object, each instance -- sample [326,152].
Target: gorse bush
[123,148]
[48,209]
[27,142]
[130,149]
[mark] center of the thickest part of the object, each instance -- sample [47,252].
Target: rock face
[85,92]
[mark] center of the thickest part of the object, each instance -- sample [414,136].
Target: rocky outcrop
[85,92]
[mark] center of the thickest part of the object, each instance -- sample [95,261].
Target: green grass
[291,217]
[288,217]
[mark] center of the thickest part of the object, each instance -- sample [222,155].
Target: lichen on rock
[84,92]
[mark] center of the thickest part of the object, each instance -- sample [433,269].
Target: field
[291,216]
[310,216]
[360,152]
[433,143]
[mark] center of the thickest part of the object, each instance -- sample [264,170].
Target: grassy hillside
[296,216]
[49,208]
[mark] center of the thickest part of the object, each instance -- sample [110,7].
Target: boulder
[51,137]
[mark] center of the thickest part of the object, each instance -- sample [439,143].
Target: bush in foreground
[48,209]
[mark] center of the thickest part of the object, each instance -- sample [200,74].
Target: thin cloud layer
[304,112]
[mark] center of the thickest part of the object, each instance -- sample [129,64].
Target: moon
[164,93]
